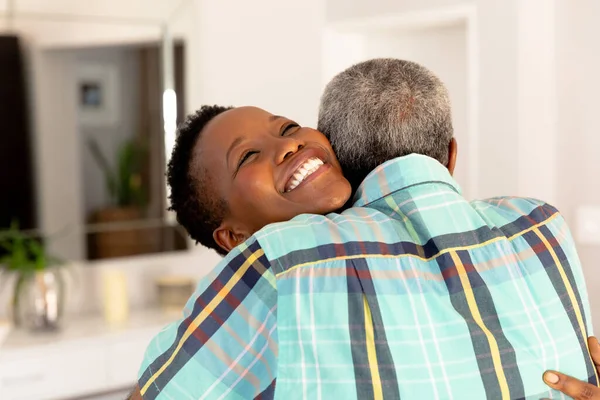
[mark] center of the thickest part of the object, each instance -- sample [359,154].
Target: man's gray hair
[381,109]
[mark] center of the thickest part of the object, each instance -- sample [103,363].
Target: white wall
[578,159]
[349,9]
[56,145]
[265,53]
[496,52]
[537,101]
[514,52]
[341,49]
[443,51]
[498,93]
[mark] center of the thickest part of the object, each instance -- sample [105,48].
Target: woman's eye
[289,128]
[246,157]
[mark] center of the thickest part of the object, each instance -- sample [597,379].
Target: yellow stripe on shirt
[494,349]
[372,352]
[206,311]
[563,276]
[422,258]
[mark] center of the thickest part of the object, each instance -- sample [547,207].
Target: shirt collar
[401,173]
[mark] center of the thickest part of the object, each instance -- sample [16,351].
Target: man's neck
[400,173]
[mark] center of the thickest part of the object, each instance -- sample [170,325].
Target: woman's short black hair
[199,209]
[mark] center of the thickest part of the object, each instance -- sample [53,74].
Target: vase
[38,301]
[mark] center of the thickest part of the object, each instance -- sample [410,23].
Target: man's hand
[575,388]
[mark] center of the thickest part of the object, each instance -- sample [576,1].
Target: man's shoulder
[515,204]
[517,213]
[310,233]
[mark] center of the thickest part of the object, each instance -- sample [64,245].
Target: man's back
[416,293]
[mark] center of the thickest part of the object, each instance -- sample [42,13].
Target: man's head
[235,170]
[381,109]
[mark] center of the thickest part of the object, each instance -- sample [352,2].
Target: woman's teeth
[308,168]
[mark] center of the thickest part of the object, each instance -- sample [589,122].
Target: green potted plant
[39,289]
[127,200]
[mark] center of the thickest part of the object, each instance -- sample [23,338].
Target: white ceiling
[78,23]
[139,9]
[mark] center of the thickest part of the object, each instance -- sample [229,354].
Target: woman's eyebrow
[236,142]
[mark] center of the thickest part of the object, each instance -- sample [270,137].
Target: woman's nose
[288,149]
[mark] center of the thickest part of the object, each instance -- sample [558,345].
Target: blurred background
[90,94]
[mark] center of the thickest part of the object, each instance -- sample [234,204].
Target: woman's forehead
[234,125]
[225,129]
[238,119]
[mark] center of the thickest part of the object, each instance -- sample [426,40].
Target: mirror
[122,150]
[83,156]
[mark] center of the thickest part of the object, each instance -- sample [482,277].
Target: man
[411,293]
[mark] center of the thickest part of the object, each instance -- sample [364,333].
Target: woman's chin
[334,203]
[321,197]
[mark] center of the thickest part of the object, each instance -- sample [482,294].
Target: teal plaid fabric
[414,293]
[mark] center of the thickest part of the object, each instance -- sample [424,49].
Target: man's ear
[452,153]
[228,237]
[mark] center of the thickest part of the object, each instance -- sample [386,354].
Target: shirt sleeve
[225,346]
[561,229]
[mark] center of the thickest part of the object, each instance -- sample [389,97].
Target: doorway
[442,42]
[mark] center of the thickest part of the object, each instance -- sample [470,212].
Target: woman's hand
[572,387]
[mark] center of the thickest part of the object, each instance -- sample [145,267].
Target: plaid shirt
[414,293]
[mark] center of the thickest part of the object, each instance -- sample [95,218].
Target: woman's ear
[228,237]
[452,153]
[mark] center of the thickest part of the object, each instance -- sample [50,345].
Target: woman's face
[268,169]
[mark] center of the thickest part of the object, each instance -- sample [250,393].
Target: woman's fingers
[594,350]
[572,387]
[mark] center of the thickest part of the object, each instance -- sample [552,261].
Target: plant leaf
[26,254]
[109,175]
